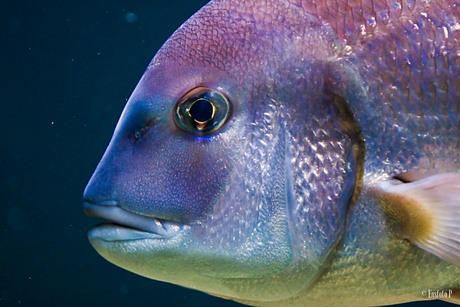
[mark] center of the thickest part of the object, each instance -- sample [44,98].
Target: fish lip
[122,222]
[109,232]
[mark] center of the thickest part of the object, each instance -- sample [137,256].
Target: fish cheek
[173,176]
[199,180]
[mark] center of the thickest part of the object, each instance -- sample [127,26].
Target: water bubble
[131,17]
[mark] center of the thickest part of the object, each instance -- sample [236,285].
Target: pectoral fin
[428,211]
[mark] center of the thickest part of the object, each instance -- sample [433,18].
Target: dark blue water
[66,70]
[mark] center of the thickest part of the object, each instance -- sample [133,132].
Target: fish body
[290,152]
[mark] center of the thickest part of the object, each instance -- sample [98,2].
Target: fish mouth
[124,225]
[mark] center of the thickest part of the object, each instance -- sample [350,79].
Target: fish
[292,153]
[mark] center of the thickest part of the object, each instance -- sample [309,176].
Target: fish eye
[201,111]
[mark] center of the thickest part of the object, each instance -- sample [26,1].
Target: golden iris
[201,111]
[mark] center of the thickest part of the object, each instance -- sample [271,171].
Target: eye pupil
[202,111]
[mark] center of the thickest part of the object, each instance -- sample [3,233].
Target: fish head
[230,170]
[155,166]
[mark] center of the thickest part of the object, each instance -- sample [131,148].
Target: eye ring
[201,111]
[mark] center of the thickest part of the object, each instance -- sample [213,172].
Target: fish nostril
[139,133]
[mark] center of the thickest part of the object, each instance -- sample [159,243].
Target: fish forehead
[224,32]
[247,39]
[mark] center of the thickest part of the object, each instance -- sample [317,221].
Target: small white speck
[424,14]
[446,34]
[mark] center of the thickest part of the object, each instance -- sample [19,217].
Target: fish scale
[421,74]
[311,209]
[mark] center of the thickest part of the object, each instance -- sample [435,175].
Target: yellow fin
[428,211]
[221,296]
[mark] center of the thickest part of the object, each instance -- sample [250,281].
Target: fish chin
[180,260]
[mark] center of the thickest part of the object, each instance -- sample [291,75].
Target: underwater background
[67,69]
